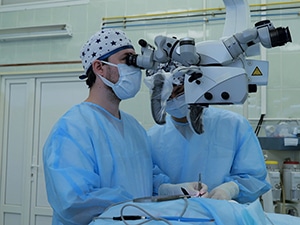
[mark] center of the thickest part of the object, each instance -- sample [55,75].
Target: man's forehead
[127,51]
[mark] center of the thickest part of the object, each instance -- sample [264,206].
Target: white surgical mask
[129,82]
[177,107]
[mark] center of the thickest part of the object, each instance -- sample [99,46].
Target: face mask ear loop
[108,63]
[105,81]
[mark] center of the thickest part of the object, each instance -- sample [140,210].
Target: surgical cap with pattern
[102,45]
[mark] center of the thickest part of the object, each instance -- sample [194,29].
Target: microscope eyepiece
[131,60]
[280,36]
[143,60]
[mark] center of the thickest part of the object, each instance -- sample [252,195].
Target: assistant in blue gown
[228,150]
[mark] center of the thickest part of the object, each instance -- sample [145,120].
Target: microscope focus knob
[225,95]
[208,96]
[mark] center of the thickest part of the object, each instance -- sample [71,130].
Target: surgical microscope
[212,72]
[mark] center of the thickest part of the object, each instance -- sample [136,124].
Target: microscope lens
[280,36]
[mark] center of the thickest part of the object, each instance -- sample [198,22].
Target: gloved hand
[190,187]
[226,191]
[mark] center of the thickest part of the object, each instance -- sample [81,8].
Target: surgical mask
[129,82]
[177,107]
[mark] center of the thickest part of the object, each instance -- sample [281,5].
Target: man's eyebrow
[127,53]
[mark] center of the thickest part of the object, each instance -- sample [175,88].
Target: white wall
[86,18]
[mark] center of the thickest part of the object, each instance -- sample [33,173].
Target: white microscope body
[213,72]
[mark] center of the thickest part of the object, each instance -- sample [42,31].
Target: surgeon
[97,155]
[227,155]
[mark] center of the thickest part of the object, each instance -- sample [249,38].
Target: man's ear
[97,66]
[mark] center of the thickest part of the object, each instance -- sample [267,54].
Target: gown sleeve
[248,168]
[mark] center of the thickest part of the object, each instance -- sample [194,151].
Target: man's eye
[124,58]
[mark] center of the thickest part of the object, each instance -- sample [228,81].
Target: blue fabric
[93,160]
[281,219]
[222,211]
[228,150]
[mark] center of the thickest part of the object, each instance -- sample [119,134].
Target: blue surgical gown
[93,160]
[228,150]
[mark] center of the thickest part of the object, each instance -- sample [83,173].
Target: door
[29,107]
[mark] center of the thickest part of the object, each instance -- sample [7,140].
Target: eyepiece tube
[280,36]
[131,60]
[143,60]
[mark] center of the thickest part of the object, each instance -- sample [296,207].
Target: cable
[257,129]
[106,209]
[151,217]
[185,207]
[147,216]
[144,211]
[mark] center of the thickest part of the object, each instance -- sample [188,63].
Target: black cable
[151,217]
[261,119]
